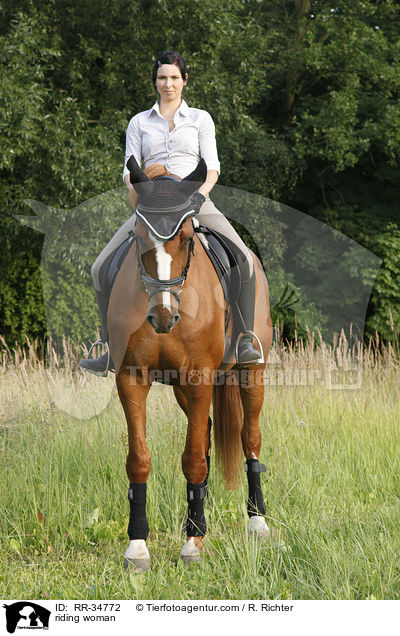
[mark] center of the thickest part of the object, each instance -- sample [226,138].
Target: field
[332,486]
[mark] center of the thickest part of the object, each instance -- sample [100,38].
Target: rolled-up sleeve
[133,144]
[208,144]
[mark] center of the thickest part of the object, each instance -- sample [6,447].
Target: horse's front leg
[197,401]
[252,395]
[133,392]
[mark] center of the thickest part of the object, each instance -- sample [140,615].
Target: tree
[304,95]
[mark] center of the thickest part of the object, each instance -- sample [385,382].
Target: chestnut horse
[178,327]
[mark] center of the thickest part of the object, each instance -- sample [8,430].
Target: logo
[26,615]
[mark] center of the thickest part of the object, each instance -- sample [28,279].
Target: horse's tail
[228,422]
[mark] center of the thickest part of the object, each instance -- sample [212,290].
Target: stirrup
[249,362]
[104,373]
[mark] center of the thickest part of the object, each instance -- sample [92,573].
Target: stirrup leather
[261,359]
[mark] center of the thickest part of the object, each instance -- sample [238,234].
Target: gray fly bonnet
[164,203]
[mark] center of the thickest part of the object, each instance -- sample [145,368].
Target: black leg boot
[100,366]
[246,353]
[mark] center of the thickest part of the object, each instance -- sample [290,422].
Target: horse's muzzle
[162,320]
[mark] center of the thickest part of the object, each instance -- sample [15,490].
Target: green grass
[332,489]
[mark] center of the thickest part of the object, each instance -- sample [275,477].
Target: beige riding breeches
[209,216]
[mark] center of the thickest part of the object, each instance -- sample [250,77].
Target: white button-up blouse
[149,140]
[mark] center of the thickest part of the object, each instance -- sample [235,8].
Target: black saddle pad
[225,265]
[113,263]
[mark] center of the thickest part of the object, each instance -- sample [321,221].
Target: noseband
[163,285]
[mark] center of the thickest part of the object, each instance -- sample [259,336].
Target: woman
[177,136]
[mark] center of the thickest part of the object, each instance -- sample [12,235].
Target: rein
[164,285]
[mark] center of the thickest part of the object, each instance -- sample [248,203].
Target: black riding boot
[100,366]
[246,353]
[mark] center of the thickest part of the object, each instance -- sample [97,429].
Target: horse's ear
[139,179]
[199,173]
[190,183]
[137,175]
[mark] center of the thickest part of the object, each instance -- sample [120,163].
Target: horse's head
[164,239]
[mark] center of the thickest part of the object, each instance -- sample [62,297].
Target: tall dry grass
[331,444]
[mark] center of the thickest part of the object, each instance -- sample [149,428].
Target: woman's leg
[211,217]
[98,366]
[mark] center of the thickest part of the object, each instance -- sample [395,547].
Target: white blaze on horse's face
[155,266]
[164,261]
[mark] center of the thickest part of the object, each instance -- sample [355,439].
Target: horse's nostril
[162,326]
[151,320]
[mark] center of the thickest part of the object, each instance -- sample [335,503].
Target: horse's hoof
[137,557]
[259,528]
[192,550]
[137,566]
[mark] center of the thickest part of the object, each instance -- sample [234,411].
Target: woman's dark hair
[169,57]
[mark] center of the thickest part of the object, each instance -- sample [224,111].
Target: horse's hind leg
[133,394]
[195,402]
[252,396]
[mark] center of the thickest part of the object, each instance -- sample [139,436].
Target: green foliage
[385,318]
[283,313]
[21,298]
[304,96]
